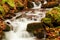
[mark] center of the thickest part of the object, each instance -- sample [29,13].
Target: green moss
[7,28]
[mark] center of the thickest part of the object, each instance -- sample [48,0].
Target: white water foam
[19,27]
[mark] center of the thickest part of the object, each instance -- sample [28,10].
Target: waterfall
[19,26]
[19,31]
[36,6]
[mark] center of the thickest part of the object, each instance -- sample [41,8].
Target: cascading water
[39,4]
[19,27]
[36,6]
[19,32]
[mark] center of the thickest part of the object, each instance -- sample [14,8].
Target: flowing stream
[19,27]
